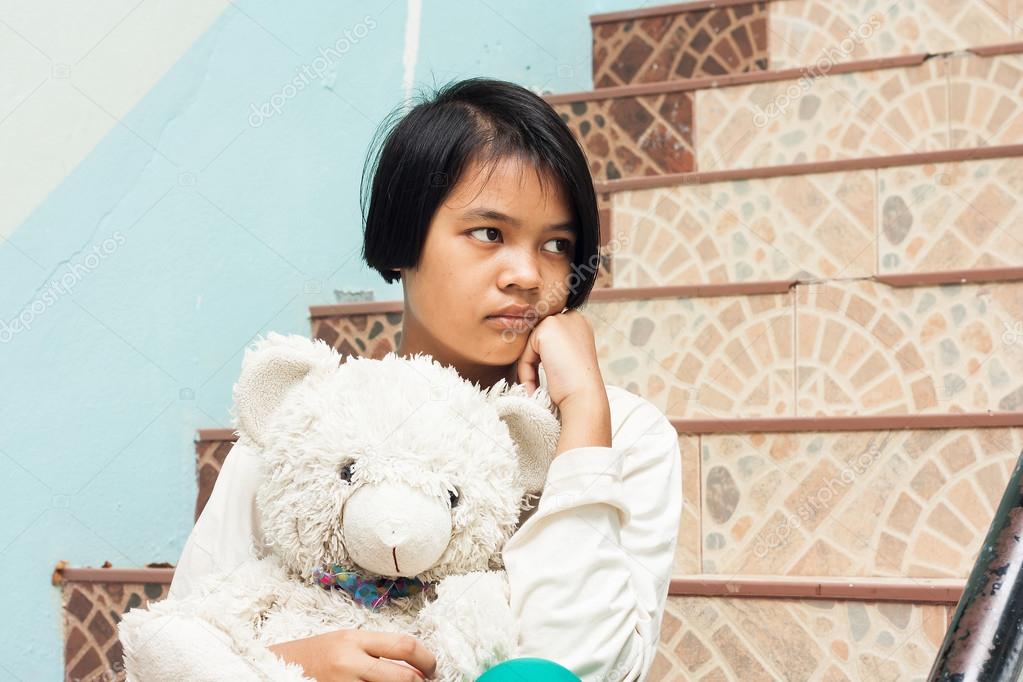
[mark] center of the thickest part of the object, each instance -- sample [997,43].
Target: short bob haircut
[424,155]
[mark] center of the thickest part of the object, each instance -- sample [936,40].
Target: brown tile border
[216,435]
[921,590]
[113,575]
[997,50]
[709,82]
[904,422]
[813,167]
[660,10]
[975,276]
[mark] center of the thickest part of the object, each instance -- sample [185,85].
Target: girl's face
[495,241]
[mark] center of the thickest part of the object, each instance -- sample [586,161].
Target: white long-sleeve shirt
[588,570]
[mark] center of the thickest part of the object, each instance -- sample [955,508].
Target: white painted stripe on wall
[73,70]
[411,54]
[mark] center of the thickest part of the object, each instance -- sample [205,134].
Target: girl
[483,206]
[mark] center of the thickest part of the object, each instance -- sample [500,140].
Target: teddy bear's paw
[470,622]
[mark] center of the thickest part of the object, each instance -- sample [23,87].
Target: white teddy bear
[392,483]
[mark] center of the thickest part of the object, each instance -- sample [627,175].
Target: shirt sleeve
[227,532]
[589,571]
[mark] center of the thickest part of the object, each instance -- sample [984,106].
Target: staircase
[814,266]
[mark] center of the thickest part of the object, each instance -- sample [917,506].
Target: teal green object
[528,670]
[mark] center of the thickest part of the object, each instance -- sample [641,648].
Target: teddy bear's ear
[271,367]
[533,425]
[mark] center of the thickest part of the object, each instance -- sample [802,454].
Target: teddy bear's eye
[346,472]
[453,497]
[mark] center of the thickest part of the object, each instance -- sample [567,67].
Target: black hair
[423,156]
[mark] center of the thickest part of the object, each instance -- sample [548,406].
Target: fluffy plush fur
[391,467]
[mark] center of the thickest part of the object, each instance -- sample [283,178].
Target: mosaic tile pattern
[700,357]
[862,503]
[867,113]
[808,226]
[710,42]
[687,554]
[209,458]
[628,137]
[866,348]
[951,216]
[371,335]
[748,640]
[985,100]
[91,612]
[809,32]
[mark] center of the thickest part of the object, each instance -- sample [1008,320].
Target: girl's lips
[508,322]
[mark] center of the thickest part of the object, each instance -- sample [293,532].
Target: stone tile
[822,32]
[687,555]
[699,357]
[367,335]
[985,100]
[710,42]
[844,116]
[628,137]
[809,227]
[860,503]
[867,348]
[951,216]
[90,615]
[740,639]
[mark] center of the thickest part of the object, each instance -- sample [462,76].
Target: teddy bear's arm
[175,646]
[469,626]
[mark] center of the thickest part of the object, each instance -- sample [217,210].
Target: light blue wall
[174,258]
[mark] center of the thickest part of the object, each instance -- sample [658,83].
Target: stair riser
[953,102]
[839,348]
[859,223]
[903,503]
[792,639]
[734,38]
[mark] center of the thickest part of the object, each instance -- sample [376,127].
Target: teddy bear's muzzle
[395,530]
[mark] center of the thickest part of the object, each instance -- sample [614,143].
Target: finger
[399,648]
[528,364]
[381,670]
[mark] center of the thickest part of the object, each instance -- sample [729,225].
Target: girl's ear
[533,425]
[270,368]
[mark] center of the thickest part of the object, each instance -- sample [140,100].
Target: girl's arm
[589,571]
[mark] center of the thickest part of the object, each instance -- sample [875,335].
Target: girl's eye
[494,232]
[567,245]
[488,230]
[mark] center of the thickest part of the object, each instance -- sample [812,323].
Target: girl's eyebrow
[485,213]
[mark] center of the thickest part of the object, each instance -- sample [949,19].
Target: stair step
[902,503]
[742,639]
[928,217]
[93,601]
[823,349]
[709,621]
[905,105]
[698,39]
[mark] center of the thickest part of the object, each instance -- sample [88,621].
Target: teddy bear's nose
[392,532]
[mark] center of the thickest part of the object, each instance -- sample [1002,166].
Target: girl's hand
[564,343]
[350,655]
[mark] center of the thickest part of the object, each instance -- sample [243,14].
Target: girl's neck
[482,374]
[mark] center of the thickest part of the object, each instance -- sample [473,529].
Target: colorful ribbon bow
[370,592]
